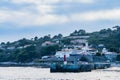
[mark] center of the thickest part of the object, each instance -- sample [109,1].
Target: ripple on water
[31,73]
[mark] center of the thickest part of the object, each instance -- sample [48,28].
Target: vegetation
[98,54]
[118,57]
[83,58]
[110,38]
[27,50]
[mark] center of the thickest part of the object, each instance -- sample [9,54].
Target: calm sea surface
[32,73]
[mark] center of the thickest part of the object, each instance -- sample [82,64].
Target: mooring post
[65,61]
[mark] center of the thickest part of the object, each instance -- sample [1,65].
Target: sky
[29,18]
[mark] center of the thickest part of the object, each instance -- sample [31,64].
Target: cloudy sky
[30,18]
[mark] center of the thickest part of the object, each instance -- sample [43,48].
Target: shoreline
[14,64]
[33,64]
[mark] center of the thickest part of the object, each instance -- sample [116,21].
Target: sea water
[33,73]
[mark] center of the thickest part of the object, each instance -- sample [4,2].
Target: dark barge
[78,67]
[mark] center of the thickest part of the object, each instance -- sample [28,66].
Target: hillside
[27,50]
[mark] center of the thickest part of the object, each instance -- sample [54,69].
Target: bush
[98,54]
[83,58]
[118,57]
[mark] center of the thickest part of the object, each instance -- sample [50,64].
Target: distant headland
[29,50]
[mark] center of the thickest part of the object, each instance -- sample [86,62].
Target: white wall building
[60,54]
[67,52]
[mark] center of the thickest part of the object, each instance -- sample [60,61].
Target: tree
[4,57]
[46,38]
[24,42]
[2,43]
[35,38]
[66,41]
[49,50]
[118,57]
[74,33]
[98,54]
[27,54]
[83,58]
[117,27]
[82,32]
[60,35]
[8,43]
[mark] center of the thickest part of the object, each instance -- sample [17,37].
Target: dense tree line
[110,38]
[27,50]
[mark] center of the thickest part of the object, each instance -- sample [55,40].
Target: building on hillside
[78,41]
[78,37]
[48,43]
[27,45]
[60,54]
[111,56]
[11,47]
[20,47]
[78,48]
[84,51]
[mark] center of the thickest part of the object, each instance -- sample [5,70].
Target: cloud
[50,1]
[81,1]
[40,6]
[22,18]
[25,18]
[37,13]
[49,5]
[86,1]
[41,12]
[35,1]
[113,14]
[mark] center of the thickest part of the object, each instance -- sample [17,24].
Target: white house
[47,43]
[60,54]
